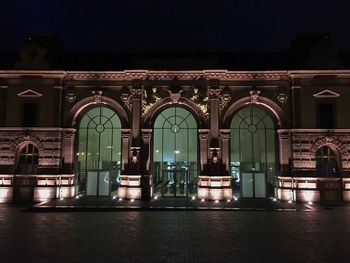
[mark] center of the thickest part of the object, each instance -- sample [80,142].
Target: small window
[29,115]
[28,160]
[326,162]
[326,113]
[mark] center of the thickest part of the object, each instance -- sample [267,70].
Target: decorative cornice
[179,75]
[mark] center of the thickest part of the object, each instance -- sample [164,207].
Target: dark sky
[131,25]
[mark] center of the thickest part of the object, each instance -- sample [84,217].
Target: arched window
[327,162]
[99,151]
[253,152]
[28,158]
[175,153]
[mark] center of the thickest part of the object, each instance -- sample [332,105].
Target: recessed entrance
[98,156]
[175,153]
[253,153]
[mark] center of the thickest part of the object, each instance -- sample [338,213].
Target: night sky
[155,25]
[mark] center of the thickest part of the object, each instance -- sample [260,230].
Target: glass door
[175,153]
[253,185]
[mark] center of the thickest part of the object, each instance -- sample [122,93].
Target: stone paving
[166,203]
[318,235]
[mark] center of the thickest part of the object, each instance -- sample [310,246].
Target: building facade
[211,134]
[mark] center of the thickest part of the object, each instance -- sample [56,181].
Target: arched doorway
[327,162]
[99,152]
[25,172]
[175,159]
[253,153]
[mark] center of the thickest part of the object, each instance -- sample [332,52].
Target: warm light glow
[274,199]
[216,201]
[61,198]
[132,200]
[290,201]
[202,200]
[193,197]
[228,200]
[120,199]
[177,152]
[310,203]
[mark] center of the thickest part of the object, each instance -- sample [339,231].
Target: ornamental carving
[97,95]
[328,141]
[254,96]
[214,93]
[175,97]
[27,139]
[135,93]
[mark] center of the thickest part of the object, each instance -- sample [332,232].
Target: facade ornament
[135,93]
[282,97]
[97,94]
[70,97]
[328,141]
[175,97]
[254,96]
[214,93]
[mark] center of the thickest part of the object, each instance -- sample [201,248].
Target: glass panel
[253,146]
[247,185]
[99,148]
[259,185]
[175,153]
[91,187]
[103,183]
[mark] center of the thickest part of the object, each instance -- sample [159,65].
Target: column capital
[136,93]
[214,92]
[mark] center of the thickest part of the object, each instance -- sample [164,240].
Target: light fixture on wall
[282,97]
[70,97]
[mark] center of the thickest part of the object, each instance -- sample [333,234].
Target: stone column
[225,149]
[125,134]
[203,145]
[57,114]
[285,151]
[214,92]
[3,105]
[146,180]
[135,97]
[296,107]
[68,150]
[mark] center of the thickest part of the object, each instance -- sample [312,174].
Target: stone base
[286,195]
[129,193]
[214,187]
[6,194]
[130,187]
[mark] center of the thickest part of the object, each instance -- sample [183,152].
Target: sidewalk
[167,203]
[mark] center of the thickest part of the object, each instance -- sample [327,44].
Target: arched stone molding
[261,101]
[333,143]
[20,142]
[91,101]
[162,104]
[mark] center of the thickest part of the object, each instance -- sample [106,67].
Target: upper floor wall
[297,99]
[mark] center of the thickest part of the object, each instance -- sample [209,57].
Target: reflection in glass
[253,151]
[98,152]
[175,153]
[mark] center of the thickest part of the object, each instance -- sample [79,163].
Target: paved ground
[167,203]
[321,234]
